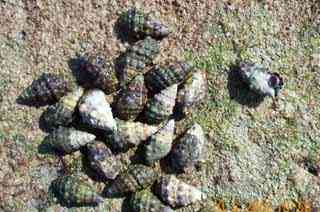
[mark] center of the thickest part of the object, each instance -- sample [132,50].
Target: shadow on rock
[76,64]
[239,90]
[44,124]
[122,32]
[126,205]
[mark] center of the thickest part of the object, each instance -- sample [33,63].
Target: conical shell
[47,89]
[177,193]
[139,25]
[72,191]
[132,100]
[145,201]
[190,149]
[61,113]
[160,78]
[99,73]
[130,134]
[260,80]
[96,111]
[102,162]
[160,107]
[159,144]
[193,92]
[137,177]
[68,140]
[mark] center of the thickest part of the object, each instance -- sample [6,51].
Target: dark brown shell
[72,191]
[47,89]
[160,78]
[137,177]
[99,73]
[132,99]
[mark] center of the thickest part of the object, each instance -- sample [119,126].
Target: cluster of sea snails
[142,114]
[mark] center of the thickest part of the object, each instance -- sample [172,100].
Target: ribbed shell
[61,113]
[132,100]
[193,92]
[145,201]
[68,140]
[74,192]
[47,89]
[160,78]
[139,25]
[130,134]
[102,161]
[260,80]
[159,144]
[160,107]
[96,111]
[190,149]
[177,193]
[137,177]
[99,74]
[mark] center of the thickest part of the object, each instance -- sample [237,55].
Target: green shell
[61,113]
[189,150]
[137,177]
[159,144]
[129,134]
[72,191]
[132,99]
[139,25]
[160,107]
[145,201]
[99,73]
[160,78]
[68,140]
[177,193]
[47,89]
[102,161]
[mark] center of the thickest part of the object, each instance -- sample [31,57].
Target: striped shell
[72,191]
[159,144]
[132,100]
[47,89]
[98,73]
[145,201]
[177,193]
[160,78]
[160,107]
[61,113]
[68,140]
[260,80]
[190,149]
[139,25]
[129,134]
[96,111]
[102,162]
[137,177]
[193,92]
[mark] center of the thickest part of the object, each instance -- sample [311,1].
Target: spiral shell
[129,134]
[47,89]
[160,107]
[99,73]
[177,193]
[160,78]
[72,191]
[145,201]
[137,177]
[190,149]
[68,140]
[101,160]
[61,113]
[96,111]
[132,100]
[139,25]
[260,80]
[159,144]
[193,92]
